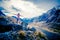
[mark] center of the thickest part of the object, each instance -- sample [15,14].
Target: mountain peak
[1,13]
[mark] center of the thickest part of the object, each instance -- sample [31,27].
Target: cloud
[45,4]
[15,8]
[27,9]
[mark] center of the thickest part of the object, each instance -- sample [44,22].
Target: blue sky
[45,4]
[27,8]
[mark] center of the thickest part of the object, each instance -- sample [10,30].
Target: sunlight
[27,8]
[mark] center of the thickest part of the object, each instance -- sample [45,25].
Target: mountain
[40,18]
[54,19]
[8,23]
[1,14]
[3,19]
[52,15]
[50,19]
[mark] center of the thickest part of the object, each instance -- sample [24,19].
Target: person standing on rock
[18,17]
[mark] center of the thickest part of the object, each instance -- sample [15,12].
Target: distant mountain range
[52,15]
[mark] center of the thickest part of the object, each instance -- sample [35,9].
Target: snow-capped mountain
[41,18]
[50,19]
[52,15]
[54,18]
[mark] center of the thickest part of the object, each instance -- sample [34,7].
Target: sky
[27,8]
